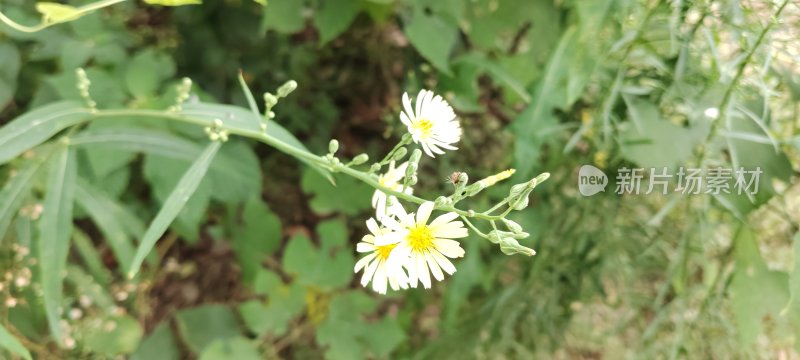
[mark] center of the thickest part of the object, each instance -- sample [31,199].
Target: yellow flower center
[384,251]
[424,127]
[420,238]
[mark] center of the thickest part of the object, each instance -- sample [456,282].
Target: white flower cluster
[405,249]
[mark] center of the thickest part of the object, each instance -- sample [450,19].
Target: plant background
[259,264]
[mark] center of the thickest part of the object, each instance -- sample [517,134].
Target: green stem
[726,98]
[82,10]
[300,154]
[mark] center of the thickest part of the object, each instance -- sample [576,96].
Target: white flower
[392,180]
[432,123]
[423,248]
[375,265]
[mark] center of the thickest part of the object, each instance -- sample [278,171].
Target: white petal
[407,106]
[422,270]
[449,248]
[424,212]
[453,230]
[392,224]
[435,269]
[361,263]
[444,219]
[373,227]
[379,281]
[363,247]
[418,103]
[390,238]
[445,264]
[368,273]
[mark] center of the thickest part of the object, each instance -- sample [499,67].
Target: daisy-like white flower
[392,180]
[375,263]
[432,122]
[422,248]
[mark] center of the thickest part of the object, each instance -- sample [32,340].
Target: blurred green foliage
[258,264]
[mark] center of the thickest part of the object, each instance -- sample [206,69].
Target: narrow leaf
[91,258]
[33,128]
[173,205]
[55,228]
[15,190]
[10,343]
[251,101]
[101,208]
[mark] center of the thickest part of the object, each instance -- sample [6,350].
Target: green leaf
[117,335]
[652,141]
[57,13]
[793,305]
[10,58]
[334,17]
[237,348]
[757,293]
[433,37]
[160,344]
[102,209]
[34,127]
[55,230]
[258,236]
[146,71]
[328,267]
[18,187]
[348,196]
[91,258]
[163,175]
[173,205]
[284,303]
[173,2]
[241,120]
[349,336]
[251,101]
[235,158]
[10,343]
[200,326]
[283,16]
[536,125]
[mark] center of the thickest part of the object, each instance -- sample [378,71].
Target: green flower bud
[510,246]
[412,180]
[441,201]
[512,225]
[333,146]
[287,88]
[360,159]
[415,156]
[270,100]
[399,154]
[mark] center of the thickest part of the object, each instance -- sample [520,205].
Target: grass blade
[251,101]
[55,228]
[10,343]
[101,208]
[15,190]
[33,128]
[173,205]
[91,258]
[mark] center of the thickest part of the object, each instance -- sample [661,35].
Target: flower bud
[333,146]
[512,225]
[415,156]
[375,167]
[270,100]
[360,159]
[510,246]
[412,180]
[441,201]
[287,88]
[399,154]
